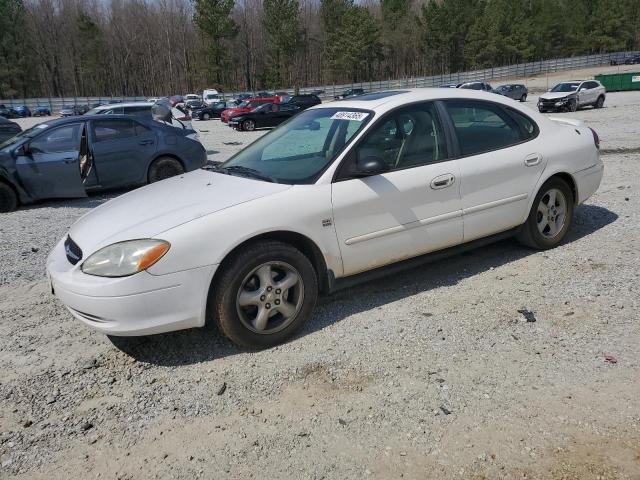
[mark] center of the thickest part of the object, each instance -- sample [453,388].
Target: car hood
[151,210]
[554,95]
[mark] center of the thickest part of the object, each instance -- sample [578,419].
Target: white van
[210,96]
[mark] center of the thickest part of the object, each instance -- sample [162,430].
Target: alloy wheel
[270,297]
[552,213]
[249,125]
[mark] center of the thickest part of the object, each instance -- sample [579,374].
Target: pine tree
[284,33]
[213,18]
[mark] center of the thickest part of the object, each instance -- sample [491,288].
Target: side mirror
[583,89]
[371,165]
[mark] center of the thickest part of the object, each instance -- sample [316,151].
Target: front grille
[73,251]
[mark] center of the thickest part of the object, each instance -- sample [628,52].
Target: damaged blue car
[72,157]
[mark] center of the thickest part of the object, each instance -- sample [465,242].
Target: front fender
[209,239]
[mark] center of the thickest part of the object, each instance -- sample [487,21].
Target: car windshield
[298,151]
[243,105]
[566,87]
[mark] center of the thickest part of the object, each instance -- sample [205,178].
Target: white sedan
[342,189]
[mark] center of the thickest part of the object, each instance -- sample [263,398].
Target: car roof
[381,103]
[130,104]
[84,118]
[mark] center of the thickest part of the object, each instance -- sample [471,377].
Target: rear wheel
[263,295]
[206,116]
[8,198]
[550,216]
[164,167]
[599,102]
[249,125]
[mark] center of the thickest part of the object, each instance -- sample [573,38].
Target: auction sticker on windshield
[356,116]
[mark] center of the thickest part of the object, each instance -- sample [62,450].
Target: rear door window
[104,130]
[482,126]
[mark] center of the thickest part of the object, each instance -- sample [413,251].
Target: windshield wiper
[240,170]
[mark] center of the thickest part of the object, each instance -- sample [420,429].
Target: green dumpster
[619,82]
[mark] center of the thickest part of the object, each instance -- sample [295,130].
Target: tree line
[57,48]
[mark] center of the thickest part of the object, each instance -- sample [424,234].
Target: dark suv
[304,101]
[515,91]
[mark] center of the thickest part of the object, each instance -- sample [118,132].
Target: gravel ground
[429,374]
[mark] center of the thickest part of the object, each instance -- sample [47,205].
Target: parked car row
[21,111]
[625,59]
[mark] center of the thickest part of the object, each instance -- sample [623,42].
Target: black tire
[8,198]
[523,98]
[530,234]
[164,167]
[248,125]
[573,106]
[223,304]
[600,102]
[205,116]
[542,110]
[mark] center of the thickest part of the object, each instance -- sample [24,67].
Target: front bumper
[555,104]
[141,304]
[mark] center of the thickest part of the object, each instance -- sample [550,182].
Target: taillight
[596,138]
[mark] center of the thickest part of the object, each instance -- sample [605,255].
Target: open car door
[49,165]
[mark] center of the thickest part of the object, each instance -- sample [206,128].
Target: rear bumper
[142,304]
[588,181]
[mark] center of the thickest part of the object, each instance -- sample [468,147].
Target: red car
[247,106]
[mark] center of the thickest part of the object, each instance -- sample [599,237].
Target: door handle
[145,142]
[69,160]
[443,181]
[532,160]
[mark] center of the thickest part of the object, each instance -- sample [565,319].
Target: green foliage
[213,19]
[13,61]
[352,39]
[91,49]
[284,35]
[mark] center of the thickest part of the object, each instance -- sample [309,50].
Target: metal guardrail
[56,103]
[519,70]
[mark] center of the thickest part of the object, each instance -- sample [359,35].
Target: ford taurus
[339,192]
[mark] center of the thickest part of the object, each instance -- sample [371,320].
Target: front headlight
[125,258]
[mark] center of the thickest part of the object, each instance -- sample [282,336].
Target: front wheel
[206,116]
[523,98]
[573,105]
[263,295]
[600,102]
[249,125]
[550,216]
[164,167]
